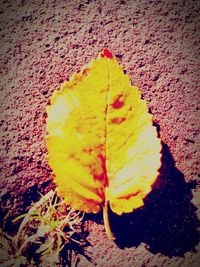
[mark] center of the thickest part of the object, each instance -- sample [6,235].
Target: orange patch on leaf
[85,71]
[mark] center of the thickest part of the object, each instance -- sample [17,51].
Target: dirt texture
[158,42]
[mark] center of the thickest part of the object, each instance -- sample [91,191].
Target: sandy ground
[42,44]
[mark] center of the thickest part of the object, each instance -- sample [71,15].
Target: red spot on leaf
[118,103]
[106,53]
[118,120]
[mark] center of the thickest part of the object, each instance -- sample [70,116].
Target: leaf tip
[106,53]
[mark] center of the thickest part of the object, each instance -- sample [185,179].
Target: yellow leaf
[102,146]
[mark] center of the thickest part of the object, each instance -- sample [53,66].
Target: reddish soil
[158,42]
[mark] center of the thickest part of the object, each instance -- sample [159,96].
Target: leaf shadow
[167,223]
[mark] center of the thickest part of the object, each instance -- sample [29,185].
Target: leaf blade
[101,141]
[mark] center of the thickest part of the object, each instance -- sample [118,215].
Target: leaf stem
[106,222]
